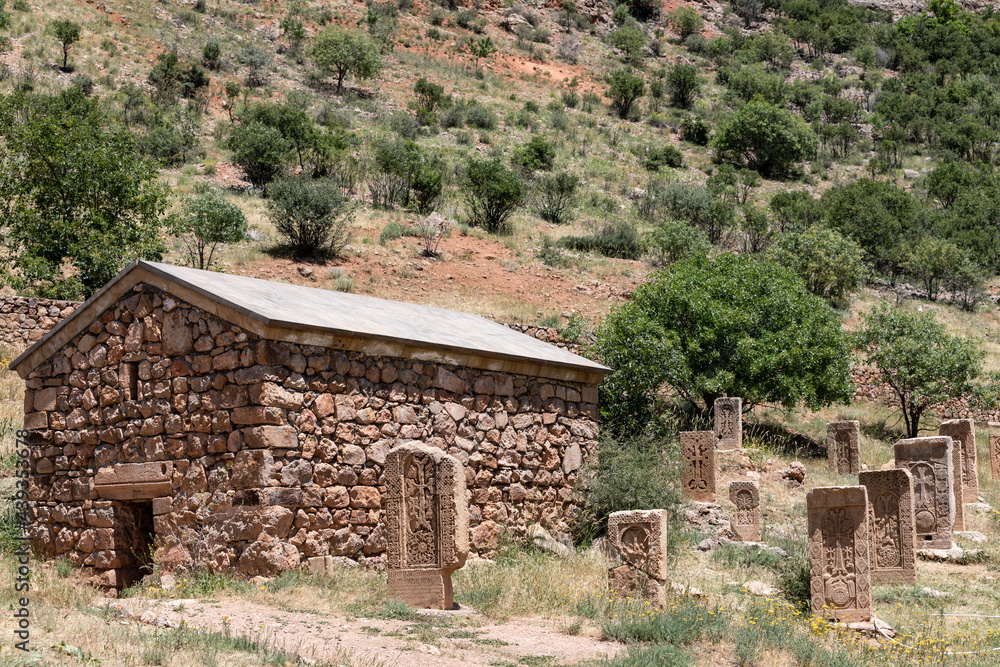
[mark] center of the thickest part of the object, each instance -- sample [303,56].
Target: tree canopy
[340,52]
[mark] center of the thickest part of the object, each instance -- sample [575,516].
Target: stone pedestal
[427,524]
[890,520]
[839,553]
[929,461]
[728,414]
[843,447]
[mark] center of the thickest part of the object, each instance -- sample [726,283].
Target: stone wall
[275,450]
[23,320]
[868,388]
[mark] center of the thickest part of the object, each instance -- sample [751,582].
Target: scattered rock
[910,174]
[428,649]
[306,272]
[168,582]
[706,545]
[794,475]
[956,555]
[972,536]
[979,508]
[875,628]
[543,540]
[696,592]
[760,588]
[932,593]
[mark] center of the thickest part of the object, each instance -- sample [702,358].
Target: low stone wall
[868,388]
[23,320]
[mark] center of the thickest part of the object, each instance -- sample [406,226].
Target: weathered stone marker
[843,447]
[995,455]
[746,520]
[728,423]
[427,524]
[963,433]
[957,482]
[698,476]
[640,536]
[890,522]
[839,552]
[929,461]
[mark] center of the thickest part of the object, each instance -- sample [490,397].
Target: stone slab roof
[312,316]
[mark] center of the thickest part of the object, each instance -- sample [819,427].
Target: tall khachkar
[840,577]
[640,536]
[957,483]
[929,461]
[427,524]
[995,456]
[890,522]
[746,519]
[698,472]
[963,433]
[843,447]
[728,423]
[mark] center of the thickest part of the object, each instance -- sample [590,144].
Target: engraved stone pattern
[698,477]
[995,455]
[843,446]
[640,536]
[728,423]
[746,519]
[427,523]
[963,432]
[839,553]
[957,483]
[929,461]
[890,523]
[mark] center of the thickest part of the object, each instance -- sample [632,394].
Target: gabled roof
[312,316]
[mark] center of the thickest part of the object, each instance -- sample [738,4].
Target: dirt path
[474,640]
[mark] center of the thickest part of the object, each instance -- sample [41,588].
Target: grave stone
[843,447]
[929,461]
[995,456]
[963,432]
[746,519]
[839,546]
[698,477]
[957,482]
[890,522]
[728,423]
[427,524]
[640,537]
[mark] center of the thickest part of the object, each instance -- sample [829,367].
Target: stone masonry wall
[23,320]
[277,449]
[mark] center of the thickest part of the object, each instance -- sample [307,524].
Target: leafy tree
[934,261]
[204,223]
[748,10]
[339,52]
[259,150]
[686,21]
[481,48]
[312,214]
[770,139]
[922,364]
[695,130]
[74,190]
[697,205]
[732,325]
[256,60]
[211,54]
[68,33]
[684,85]
[624,88]
[556,197]
[795,210]
[536,155]
[631,42]
[675,241]
[429,98]
[171,77]
[950,179]
[296,126]
[829,263]
[492,193]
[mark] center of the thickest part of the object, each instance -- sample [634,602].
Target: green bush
[624,88]
[611,239]
[205,222]
[686,21]
[338,52]
[769,138]
[631,42]
[556,197]
[934,261]
[481,117]
[663,156]
[684,85]
[830,263]
[675,241]
[492,193]
[395,230]
[536,155]
[695,130]
[259,150]
[312,215]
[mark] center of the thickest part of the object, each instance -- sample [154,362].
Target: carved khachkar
[840,580]
[843,447]
[890,525]
[698,454]
[427,524]
[728,423]
[995,456]
[929,461]
[963,433]
[745,520]
[640,536]
[957,483]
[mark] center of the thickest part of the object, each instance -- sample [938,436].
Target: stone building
[206,419]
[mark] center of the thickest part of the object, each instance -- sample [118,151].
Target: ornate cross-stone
[891,519]
[698,476]
[746,520]
[840,578]
[963,433]
[843,442]
[640,536]
[728,423]
[930,462]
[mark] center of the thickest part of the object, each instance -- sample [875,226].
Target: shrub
[663,156]
[206,222]
[211,54]
[829,263]
[556,197]
[492,192]
[675,241]
[684,85]
[536,155]
[259,150]
[934,261]
[769,138]
[395,230]
[453,116]
[686,21]
[695,130]
[481,117]
[256,60]
[631,42]
[338,52]
[312,214]
[612,239]
[624,88]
